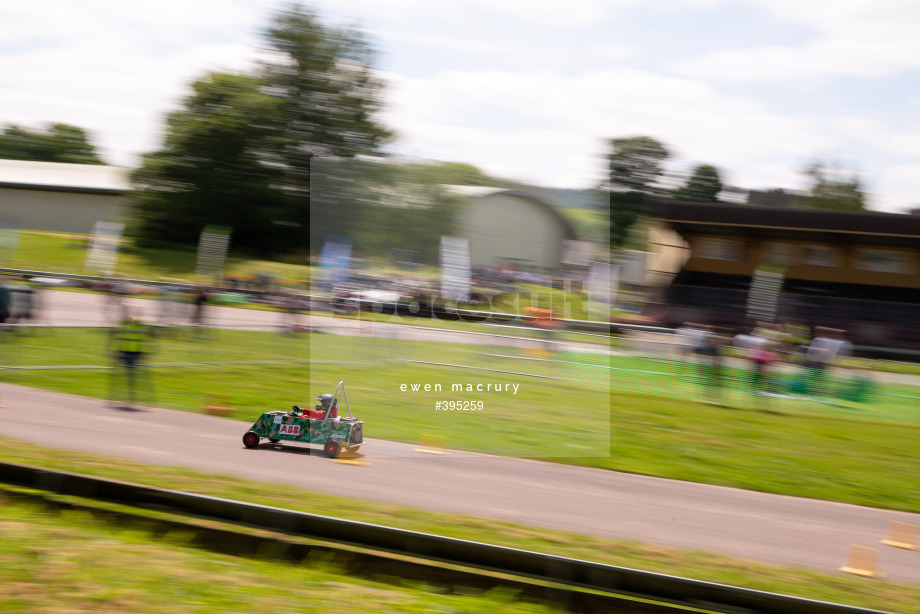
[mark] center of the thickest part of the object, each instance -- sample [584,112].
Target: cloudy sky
[526,89]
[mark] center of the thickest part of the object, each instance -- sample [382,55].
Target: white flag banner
[335,261]
[602,287]
[764,293]
[103,250]
[212,251]
[455,269]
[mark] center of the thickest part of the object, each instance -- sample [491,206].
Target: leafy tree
[239,153]
[771,197]
[833,187]
[461,173]
[329,98]
[211,169]
[382,204]
[625,210]
[58,143]
[703,186]
[634,165]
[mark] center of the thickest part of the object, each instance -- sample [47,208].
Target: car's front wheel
[251,440]
[331,448]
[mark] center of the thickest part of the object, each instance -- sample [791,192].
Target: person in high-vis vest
[799,338]
[132,341]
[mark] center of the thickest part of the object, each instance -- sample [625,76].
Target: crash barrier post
[588,575]
[862,562]
[432,444]
[217,404]
[902,535]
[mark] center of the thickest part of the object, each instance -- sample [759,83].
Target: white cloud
[101,22]
[565,118]
[113,100]
[873,135]
[115,70]
[854,38]
[902,188]
[568,14]
[820,59]
[529,93]
[842,16]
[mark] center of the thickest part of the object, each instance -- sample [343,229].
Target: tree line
[56,143]
[636,166]
[282,155]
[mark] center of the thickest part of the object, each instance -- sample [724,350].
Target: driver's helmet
[326,400]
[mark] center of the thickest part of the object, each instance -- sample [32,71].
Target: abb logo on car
[289,429]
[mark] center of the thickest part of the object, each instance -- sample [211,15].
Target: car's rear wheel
[251,440]
[331,448]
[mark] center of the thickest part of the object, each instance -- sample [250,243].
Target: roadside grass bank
[74,562]
[57,551]
[60,253]
[848,392]
[839,454]
[835,458]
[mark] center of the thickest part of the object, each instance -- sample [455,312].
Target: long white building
[61,197]
[512,228]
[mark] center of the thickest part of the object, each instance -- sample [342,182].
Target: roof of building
[473,190]
[482,191]
[58,177]
[716,215]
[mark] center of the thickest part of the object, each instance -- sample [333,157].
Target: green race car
[322,425]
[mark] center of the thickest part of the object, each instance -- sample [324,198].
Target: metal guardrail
[560,570]
[96,278]
[372,565]
[586,325]
[607,328]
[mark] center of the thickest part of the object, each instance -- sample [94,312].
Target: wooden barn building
[859,271]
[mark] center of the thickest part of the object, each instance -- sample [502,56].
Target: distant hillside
[570,198]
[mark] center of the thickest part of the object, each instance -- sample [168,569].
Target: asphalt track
[772,529]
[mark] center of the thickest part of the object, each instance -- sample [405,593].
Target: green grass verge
[57,253]
[893,398]
[841,456]
[72,562]
[823,457]
[525,423]
[36,556]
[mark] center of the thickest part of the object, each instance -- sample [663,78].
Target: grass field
[42,546]
[842,453]
[58,253]
[884,397]
[73,562]
[654,419]
[522,420]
